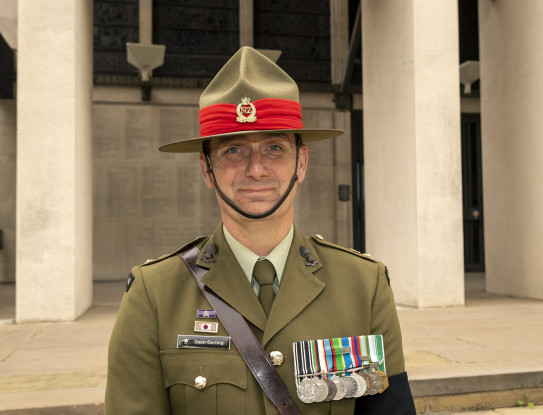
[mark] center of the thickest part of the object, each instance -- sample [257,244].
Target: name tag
[202,342]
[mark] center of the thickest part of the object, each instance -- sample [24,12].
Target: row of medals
[354,386]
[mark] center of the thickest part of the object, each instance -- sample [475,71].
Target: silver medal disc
[369,382]
[341,389]
[322,390]
[377,382]
[361,385]
[332,389]
[350,385]
[307,390]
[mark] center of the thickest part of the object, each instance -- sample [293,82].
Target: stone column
[7,189]
[342,177]
[146,22]
[511,56]
[54,160]
[339,39]
[412,151]
[339,48]
[246,23]
[8,128]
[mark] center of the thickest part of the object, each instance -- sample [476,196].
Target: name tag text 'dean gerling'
[185,341]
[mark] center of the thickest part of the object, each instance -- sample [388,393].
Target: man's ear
[205,171]
[302,163]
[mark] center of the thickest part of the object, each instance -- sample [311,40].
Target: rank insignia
[246,111]
[209,255]
[206,327]
[309,260]
[129,281]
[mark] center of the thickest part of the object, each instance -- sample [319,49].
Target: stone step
[476,393]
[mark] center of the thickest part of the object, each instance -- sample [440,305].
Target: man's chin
[256,209]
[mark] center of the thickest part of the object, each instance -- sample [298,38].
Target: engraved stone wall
[146,203]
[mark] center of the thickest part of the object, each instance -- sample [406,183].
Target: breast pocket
[225,376]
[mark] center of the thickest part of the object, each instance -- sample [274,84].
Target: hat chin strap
[241,211]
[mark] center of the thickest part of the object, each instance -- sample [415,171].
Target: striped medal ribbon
[314,357]
[372,346]
[330,365]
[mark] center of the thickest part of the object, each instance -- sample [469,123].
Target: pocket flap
[184,366]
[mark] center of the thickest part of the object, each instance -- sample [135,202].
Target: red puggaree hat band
[263,114]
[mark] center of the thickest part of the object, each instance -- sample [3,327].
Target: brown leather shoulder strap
[244,339]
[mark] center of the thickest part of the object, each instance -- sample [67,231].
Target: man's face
[254,170]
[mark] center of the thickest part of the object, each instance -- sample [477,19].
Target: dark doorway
[472,193]
[357,163]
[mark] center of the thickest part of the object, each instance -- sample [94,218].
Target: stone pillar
[54,160]
[342,177]
[339,48]
[412,151]
[8,128]
[339,39]
[146,22]
[8,22]
[246,23]
[511,56]
[7,189]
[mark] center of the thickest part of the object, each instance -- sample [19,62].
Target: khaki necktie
[264,274]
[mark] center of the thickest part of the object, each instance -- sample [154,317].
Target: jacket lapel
[299,287]
[226,278]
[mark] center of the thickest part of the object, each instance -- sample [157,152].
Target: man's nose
[256,168]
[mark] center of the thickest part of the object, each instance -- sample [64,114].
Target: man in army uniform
[170,354]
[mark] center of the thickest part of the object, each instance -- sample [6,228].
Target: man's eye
[275,147]
[235,153]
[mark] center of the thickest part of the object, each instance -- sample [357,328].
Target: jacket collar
[299,287]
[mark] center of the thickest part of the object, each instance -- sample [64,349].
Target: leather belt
[248,346]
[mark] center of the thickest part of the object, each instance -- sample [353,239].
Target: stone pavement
[486,355]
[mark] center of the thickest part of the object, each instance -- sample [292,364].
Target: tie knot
[264,272]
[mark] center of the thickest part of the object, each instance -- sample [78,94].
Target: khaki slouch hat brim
[250,94]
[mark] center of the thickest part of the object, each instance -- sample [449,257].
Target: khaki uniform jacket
[344,294]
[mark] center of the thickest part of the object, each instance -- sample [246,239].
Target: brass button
[319,236]
[276,358]
[200,382]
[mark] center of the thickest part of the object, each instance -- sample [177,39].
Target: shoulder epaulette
[319,239]
[194,242]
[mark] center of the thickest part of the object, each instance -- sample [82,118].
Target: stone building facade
[86,194]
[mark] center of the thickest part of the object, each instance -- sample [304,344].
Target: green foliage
[526,402]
